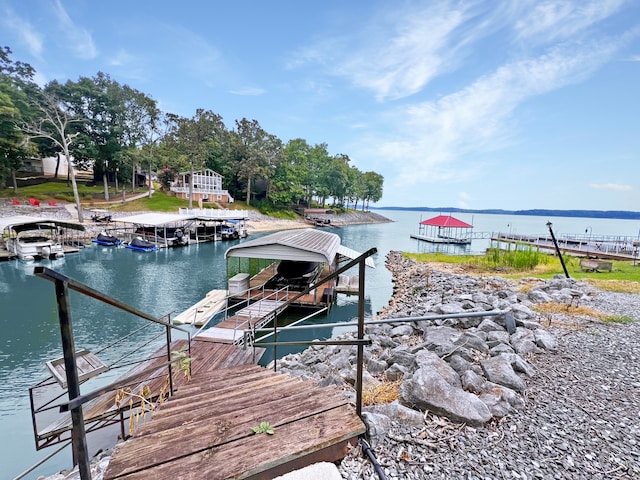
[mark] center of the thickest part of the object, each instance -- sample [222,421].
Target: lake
[171,280]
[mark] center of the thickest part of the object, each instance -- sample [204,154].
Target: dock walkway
[255,315]
[612,248]
[205,430]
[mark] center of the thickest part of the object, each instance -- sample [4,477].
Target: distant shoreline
[612,214]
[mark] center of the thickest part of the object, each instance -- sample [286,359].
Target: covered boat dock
[275,272]
[444,229]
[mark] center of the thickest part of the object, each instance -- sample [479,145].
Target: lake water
[171,280]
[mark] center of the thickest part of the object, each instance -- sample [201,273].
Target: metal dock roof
[306,245]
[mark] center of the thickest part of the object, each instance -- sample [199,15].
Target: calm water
[169,281]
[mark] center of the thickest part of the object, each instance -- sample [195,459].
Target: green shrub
[521,258]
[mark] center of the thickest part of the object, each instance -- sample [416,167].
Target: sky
[467,103]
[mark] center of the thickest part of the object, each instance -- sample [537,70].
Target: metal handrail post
[360,356]
[78,435]
[168,330]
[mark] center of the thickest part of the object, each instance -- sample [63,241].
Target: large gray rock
[472,341]
[499,370]
[427,390]
[429,360]
[398,413]
[488,325]
[544,339]
[440,339]
[377,427]
[500,400]
[402,356]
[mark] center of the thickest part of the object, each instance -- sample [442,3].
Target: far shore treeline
[616,214]
[118,132]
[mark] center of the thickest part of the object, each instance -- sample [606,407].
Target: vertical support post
[78,435]
[360,357]
[555,243]
[275,346]
[168,330]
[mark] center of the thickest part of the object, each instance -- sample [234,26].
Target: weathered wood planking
[212,437]
[87,365]
[206,357]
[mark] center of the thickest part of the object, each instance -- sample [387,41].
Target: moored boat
[107,240]
[32,238]
[138,243]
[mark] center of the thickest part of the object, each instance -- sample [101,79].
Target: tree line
[117,132]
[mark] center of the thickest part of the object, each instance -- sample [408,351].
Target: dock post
[78,434]
[360,357]
[555,243]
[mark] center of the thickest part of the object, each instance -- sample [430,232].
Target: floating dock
[201,312]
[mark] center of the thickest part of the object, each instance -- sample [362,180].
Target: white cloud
[401,50]
[430,139]
[409,53]
[79,38]
[556,19]
[248,91]
[611,186]
[121,59]
[27,33]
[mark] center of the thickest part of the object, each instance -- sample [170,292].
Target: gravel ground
[581,419]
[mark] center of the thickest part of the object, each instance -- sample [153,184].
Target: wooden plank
[204,391]
[226,402]
[232,450]
[206,357]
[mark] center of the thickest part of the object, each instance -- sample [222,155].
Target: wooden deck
[206,357]
[205,430]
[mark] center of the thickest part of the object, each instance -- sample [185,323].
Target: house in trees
[207,186]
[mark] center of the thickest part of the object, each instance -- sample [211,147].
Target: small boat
[142,245]
[31,238]
[229,232]
[106,240]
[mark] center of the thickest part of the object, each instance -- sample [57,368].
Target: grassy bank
[625,276]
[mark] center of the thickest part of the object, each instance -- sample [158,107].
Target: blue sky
[471,104]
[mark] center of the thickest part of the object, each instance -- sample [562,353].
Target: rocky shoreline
[257,221]
[557,398]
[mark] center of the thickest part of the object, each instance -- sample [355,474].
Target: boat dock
[606,247]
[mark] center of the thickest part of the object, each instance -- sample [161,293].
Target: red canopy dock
[444,229]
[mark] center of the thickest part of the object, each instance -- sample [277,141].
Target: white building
[207,187]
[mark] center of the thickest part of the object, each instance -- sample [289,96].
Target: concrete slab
[317,471]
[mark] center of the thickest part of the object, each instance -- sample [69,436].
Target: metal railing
[76,400]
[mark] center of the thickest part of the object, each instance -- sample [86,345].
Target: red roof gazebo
[444,229]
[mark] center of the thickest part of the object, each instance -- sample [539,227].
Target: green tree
[288,177]
[193,139]
[257,155]
[115,118]
[15,87]
[373,184]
